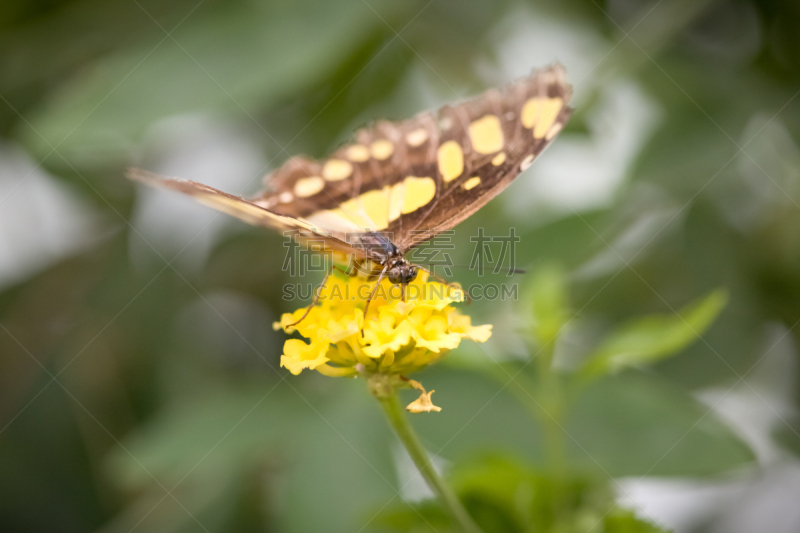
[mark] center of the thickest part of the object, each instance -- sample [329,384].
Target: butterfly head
[402,272]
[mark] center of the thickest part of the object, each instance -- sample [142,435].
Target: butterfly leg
[319,291]
[446,283]
[372,295]
[342,270]
[317,294]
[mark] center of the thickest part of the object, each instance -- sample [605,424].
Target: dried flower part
[399,337]
[423,404]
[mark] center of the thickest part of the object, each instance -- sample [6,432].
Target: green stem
[400,424]
[551,409]
[554,433]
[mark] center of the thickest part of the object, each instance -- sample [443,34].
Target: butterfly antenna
[511,270]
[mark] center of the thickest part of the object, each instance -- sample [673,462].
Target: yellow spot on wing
[540,113]
[305,187]
[336,169]
[471,183]
[451,160]
[382,149]
[396,198]
[337,220]
[499,159]
[553,131]
[353,211]
[523,166]
[368,211]
[376,205]
[486,135]
[358,153]
[418,192]
[417,137]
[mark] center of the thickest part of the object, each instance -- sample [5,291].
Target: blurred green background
[139,369]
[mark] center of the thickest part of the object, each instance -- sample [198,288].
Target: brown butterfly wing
[483,145]
[416,178]
[246,210]
[348,192]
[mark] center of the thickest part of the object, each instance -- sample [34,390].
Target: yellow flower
[423,404]
[399,337]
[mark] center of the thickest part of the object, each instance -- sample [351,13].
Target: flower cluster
[399,336]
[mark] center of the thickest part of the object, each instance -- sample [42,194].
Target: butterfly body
[377,252]
[399,184]
[382,255]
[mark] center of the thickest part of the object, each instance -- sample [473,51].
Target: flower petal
[298,355]
[398,337]
[423,404]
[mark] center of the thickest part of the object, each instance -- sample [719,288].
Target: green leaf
[548,293]
[635,425]
[630,424]
[477,414]
[787,434]
[342,467]
[648,339]
[331,452]
[238,61]
[622,521]
[203,449]
[503,493]
[238,424]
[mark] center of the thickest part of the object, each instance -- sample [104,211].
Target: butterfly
[399,184]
